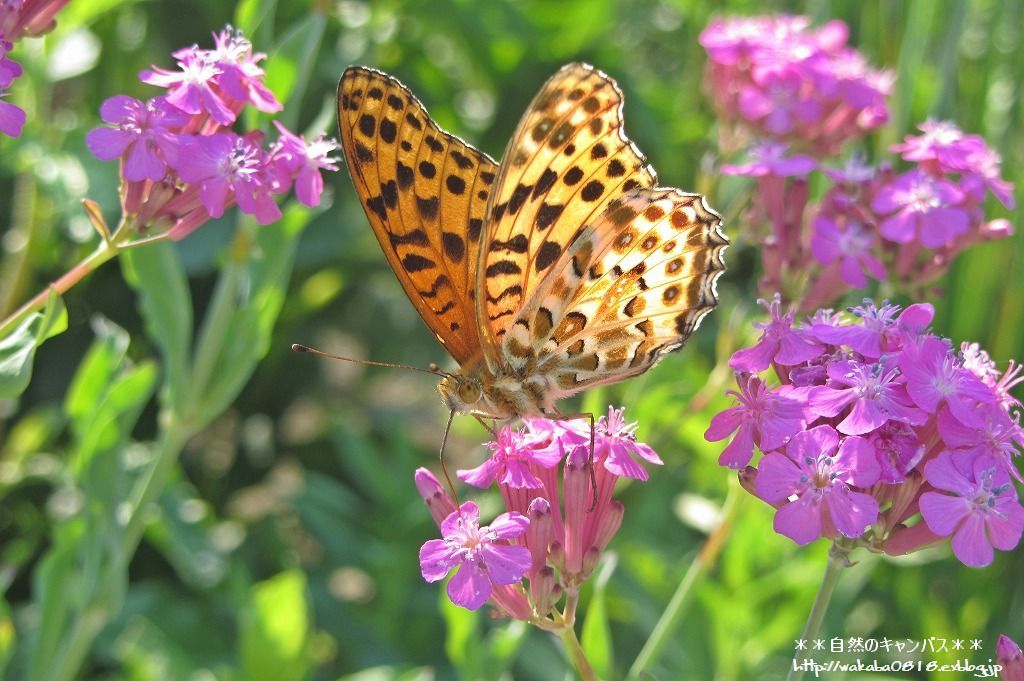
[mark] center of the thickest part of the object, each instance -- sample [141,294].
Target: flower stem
[676,608]
[837,560]
[95,614]
[102,254]
[576,654]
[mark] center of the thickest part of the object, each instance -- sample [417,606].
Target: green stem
[95,614]
[676,608]
[837,560]
[102,254]
[105,251]
[576,654]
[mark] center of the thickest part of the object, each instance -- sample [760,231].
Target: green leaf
[237,329]
[596,636]
[8,635]
[250,14]
[156,273]
[18,350]
[275,630]
[291,64]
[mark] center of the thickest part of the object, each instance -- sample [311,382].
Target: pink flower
[899,450]
[19,18]
[984,170]
[851,246]
[991,432]
[240,74]
[143,136]
[921,207]
[934,377]
[481,555]
[779,342]
[225,166]
[821,478]
[304,160]
[193,88]
[778,97]
[769,158]
[616,444]
[763,417]
[873,393]
[878,330]
[942,143]
[514,452]
[981,511]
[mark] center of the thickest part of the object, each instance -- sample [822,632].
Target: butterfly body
[562,268]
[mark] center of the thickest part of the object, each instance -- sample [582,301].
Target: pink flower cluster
[875,423]
[181,163]
[20,18]
[555,526]
[776,77]
[874,223]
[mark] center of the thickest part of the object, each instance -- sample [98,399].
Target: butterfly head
[460,393]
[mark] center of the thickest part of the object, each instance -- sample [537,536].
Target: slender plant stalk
[837,560]
[575,650]
[676,608]
[94,615]
[106,250]
[102,254]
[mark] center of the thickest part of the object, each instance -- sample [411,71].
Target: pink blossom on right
[981,510]
[902,443]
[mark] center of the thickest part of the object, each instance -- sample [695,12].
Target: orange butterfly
[563,267]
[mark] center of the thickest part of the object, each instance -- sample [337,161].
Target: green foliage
[18,349]
[181,497]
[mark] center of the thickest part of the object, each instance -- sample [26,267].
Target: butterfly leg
[444,468]
[590,459]
[491,427]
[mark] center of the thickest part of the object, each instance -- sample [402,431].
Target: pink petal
[506,564]
[799,520]
[509,525]
[777,478]
[437,559]
[825,401]
[942,512]
[470,587]
[724,423]
[740,450]
[851,512]
[1005,532]
[971,545]
[857,459]
[107,144]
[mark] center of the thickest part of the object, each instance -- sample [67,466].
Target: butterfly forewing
[567,160]
[567,267]
[425,194]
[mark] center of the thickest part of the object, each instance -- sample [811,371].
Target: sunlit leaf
[17,350]
[275,630]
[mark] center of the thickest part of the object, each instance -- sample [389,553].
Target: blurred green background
[287,540]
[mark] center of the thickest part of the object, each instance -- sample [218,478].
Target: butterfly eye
[469,392]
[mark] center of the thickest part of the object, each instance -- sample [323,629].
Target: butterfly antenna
[313,351]
[444,468]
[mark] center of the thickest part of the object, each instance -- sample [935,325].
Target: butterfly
[560,268]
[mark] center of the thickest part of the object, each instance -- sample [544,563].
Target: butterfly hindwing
[567,161]
[425,193]
[630,288]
